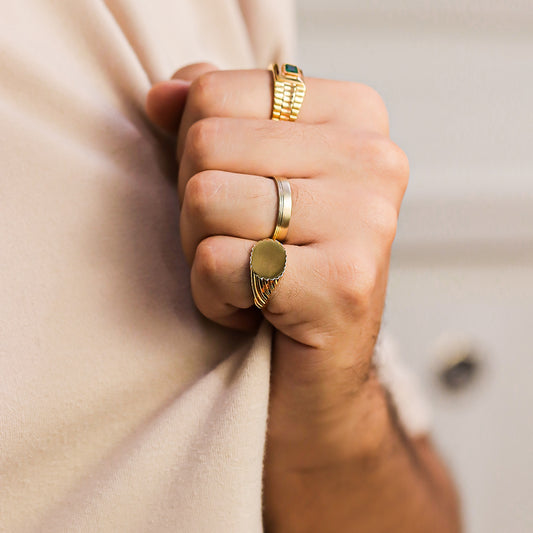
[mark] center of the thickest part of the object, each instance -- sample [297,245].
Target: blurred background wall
[457,77]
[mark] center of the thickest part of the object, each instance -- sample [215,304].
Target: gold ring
[289,91]
[284,209]
[268,260]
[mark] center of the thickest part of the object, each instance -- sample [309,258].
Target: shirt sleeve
[412,406]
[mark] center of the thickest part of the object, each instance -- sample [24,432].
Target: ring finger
[246,206]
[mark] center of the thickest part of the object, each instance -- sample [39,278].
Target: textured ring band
[284,209]
[289,91]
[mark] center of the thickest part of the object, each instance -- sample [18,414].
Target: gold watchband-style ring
[289,91]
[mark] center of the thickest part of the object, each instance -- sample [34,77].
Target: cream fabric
[405,389]
[121,408]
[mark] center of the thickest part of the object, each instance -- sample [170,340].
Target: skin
[337,457]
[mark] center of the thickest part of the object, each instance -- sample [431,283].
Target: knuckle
[205,264]
[373,103]
[355,282]
[369,94]
[200,193]
[377,148]
[386,157]
[359,287]
[200,140]
[402,167]
[374,99]
[396,162]
[205,94]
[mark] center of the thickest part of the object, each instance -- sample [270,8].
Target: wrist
[315,485]
[357,429]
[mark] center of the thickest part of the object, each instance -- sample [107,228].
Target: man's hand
[347,181]
[327,410]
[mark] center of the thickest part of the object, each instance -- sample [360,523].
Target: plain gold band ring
[284,209]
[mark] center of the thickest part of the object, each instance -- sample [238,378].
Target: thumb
[165,101]
[191,72]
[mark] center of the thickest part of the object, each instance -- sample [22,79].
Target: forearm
[389,483]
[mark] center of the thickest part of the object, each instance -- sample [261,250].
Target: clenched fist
[327,409]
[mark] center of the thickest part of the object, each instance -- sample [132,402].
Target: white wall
[457,77]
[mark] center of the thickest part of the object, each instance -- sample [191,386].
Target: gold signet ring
[268,260]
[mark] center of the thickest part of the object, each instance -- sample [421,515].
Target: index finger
[249,94]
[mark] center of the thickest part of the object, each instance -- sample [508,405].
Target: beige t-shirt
[121,408]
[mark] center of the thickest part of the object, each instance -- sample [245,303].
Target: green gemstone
[291,68]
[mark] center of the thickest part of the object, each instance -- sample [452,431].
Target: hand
[347,181]
[336,457]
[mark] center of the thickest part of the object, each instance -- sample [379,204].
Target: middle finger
[259,147]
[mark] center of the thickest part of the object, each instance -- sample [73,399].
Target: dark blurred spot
[460,372]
